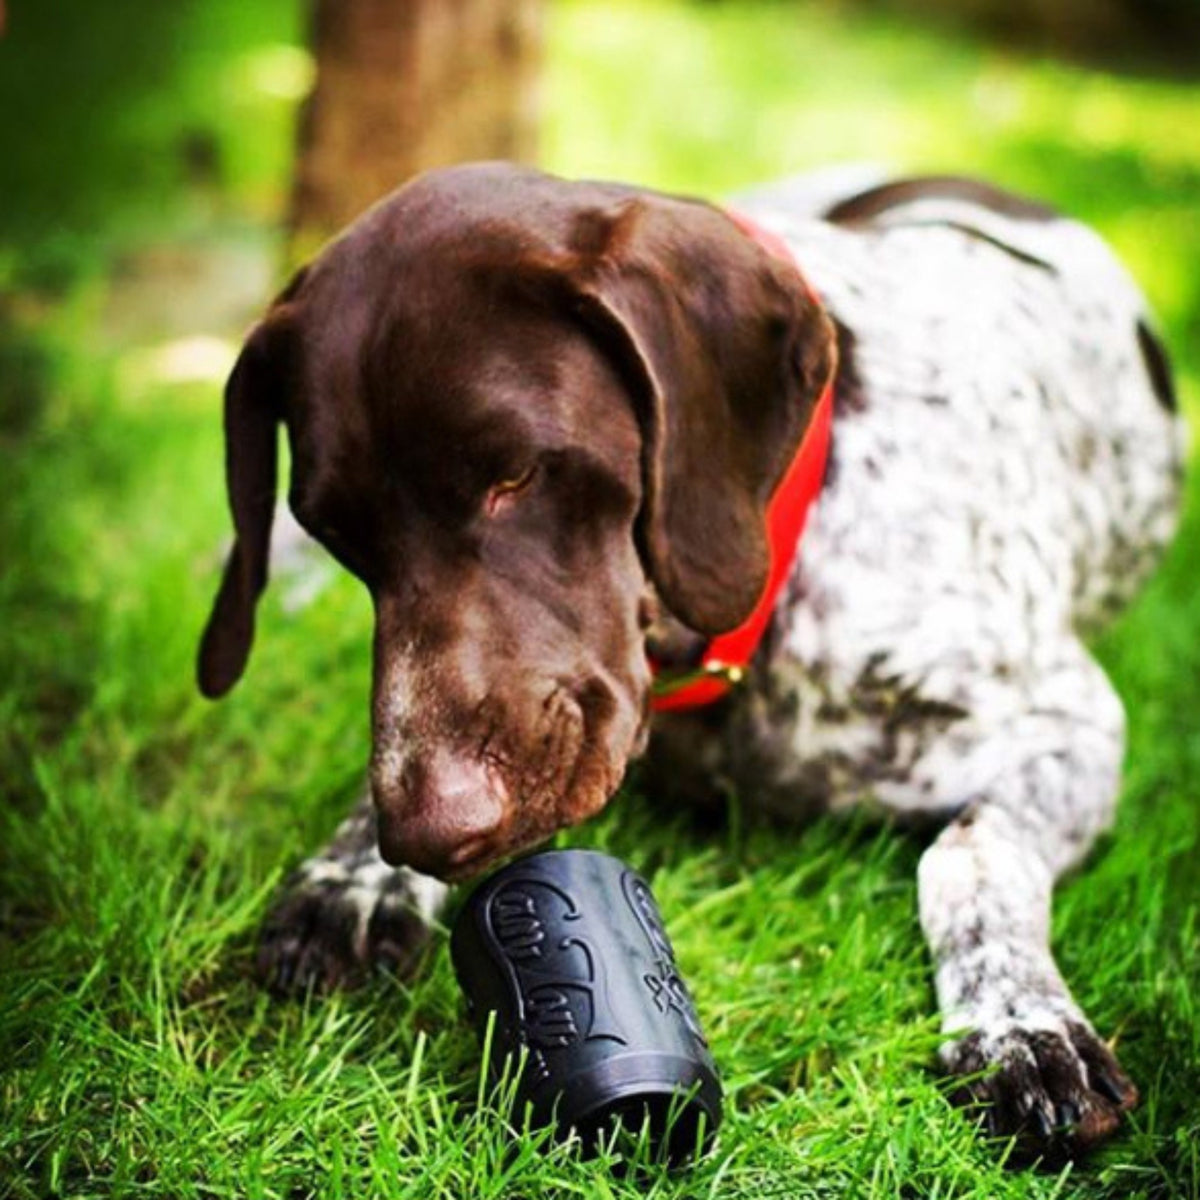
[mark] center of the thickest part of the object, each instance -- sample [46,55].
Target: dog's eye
[508,489]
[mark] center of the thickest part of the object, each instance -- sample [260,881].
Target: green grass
[143,830]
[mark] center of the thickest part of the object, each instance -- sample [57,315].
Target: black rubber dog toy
[567,947]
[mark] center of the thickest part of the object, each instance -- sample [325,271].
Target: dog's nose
[448,811]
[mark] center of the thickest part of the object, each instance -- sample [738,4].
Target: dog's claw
[283,975]
[1120,1091]
[1042,1124]
[1066,1115]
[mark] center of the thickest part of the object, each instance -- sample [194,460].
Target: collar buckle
[730,674]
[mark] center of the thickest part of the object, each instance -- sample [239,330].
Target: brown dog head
[519,408]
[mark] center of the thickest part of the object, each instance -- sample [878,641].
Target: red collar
[727,656]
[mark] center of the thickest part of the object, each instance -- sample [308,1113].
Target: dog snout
[447,812]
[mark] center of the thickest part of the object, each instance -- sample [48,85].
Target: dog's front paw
[336,922]
[1058,1089]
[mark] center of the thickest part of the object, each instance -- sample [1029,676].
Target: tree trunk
[404,85]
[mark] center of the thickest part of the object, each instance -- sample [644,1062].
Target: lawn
[146,158]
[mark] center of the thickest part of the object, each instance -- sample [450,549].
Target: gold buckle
[667,685]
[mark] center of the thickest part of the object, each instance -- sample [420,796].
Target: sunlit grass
[143,829]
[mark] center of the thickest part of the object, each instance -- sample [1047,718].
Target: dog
[543,422]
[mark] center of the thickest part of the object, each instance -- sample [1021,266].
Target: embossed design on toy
[666,986]
[557,982]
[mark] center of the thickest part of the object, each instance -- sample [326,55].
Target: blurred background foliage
[128,125]
[1154,33]
[146,160]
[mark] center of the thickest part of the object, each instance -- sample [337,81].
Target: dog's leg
[1040,782]
[345,912]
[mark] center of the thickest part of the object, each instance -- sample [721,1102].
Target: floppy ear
[253,408]
[726,354]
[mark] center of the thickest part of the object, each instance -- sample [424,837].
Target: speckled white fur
[1002,477]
